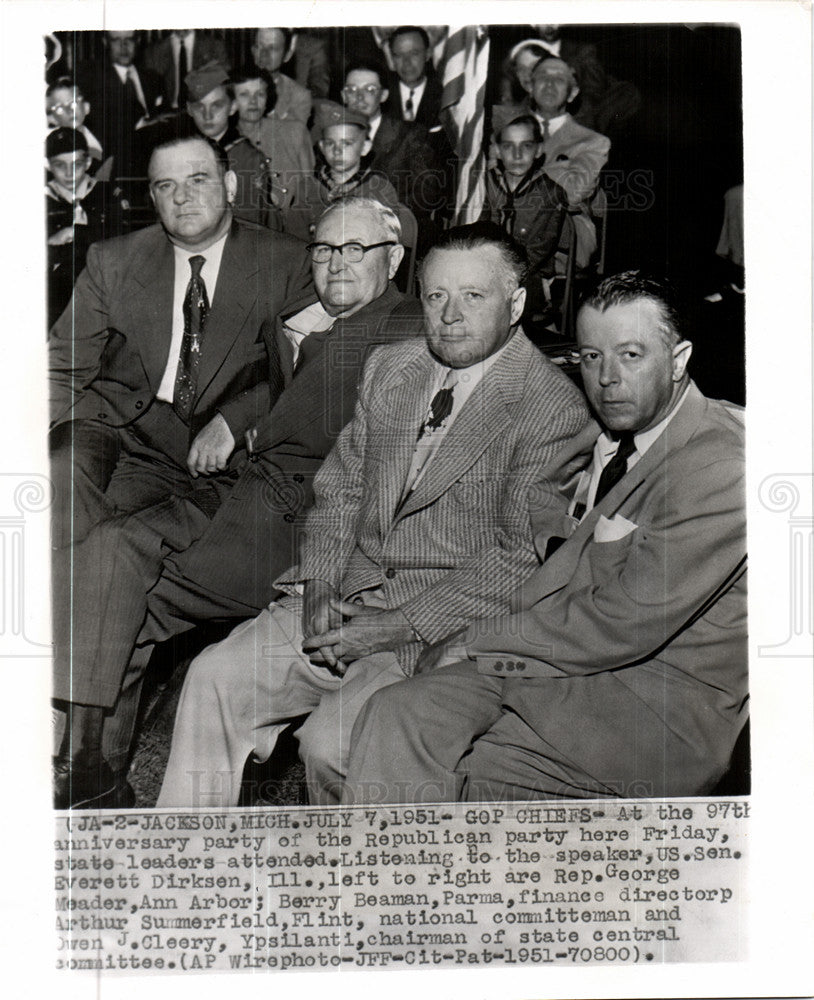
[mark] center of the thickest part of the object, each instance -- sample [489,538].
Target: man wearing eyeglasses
[183,561]
[420,522]
[399,150]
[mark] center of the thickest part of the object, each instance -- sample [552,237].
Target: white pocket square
[612,530]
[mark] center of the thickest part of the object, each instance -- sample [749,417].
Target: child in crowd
[79,210]
[66,107]
[343,168]
[523,200]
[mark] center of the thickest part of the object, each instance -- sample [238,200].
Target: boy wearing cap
[79,210]
[521,198]
[344,169]
[211,105]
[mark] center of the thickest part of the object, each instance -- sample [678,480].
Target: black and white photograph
[403,401]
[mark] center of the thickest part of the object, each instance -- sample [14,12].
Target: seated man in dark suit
[622,668]
[416,98]
[142,579]
[399,150]
[159,365]
[179,53]
[125,101]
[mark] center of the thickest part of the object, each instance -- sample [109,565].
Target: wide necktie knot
[617,466]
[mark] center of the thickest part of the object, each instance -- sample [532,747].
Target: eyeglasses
[371,90]
[351,253]
[69,106]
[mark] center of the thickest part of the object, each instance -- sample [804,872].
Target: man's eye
[473,296]
[588,356]
[433,296]
[163,187]
[632,354]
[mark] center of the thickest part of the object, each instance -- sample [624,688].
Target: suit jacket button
[289,518]
[521,665]
[139,404]
[390,573]
[102,416]
[298,478]
[499,665]
[510,664]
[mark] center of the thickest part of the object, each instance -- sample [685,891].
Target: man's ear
[232,108]
[385,95]
[682,353]
[396,255]
[230,183]
[518,301]
[573,93]
[368,144]
[291,49]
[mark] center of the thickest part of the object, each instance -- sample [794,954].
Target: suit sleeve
[642,590]
[244,411]
[330,530]
[578,173]
[484,582]
[78,338]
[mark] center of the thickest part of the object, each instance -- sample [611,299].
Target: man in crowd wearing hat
[420,524]
[342,140]
[574,155]
[211,105]
[159,366]
[621,671]
[145,578]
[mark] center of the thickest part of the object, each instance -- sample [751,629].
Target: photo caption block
[395,887]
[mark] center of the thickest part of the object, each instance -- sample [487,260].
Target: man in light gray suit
[420,526]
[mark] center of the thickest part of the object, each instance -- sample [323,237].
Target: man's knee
[320,740]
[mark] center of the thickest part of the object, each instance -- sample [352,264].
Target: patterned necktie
[440,406]
[617,466]
[196,309]
[409,107]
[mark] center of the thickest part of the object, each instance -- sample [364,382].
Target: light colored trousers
[240,694]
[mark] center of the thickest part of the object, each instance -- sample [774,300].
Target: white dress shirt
[313,319]
[604,450]
[183,272]
[418,93]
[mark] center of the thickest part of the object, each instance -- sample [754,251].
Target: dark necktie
[617,466]
[183,69]
[440,409]
[409,107]
[546,130]
[196,308]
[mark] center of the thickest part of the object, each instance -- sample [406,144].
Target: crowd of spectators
[301,128]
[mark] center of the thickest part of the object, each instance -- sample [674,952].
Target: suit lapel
[235,295]
[402,410]
[149,305]
[560,567]
[484,415]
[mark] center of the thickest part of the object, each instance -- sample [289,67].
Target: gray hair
[385,216]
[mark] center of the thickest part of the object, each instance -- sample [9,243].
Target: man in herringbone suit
[420,526]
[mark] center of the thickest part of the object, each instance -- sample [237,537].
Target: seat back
[405,276]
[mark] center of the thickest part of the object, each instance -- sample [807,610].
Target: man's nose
[180,194]
[452,311]
[337,261]
[608,371]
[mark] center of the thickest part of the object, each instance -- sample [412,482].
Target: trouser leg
[511,762]
[325,737]
[409,738]
[83,456]
[237,697]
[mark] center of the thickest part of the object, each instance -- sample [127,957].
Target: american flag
[462,112]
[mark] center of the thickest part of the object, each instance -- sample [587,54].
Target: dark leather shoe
[89,785]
